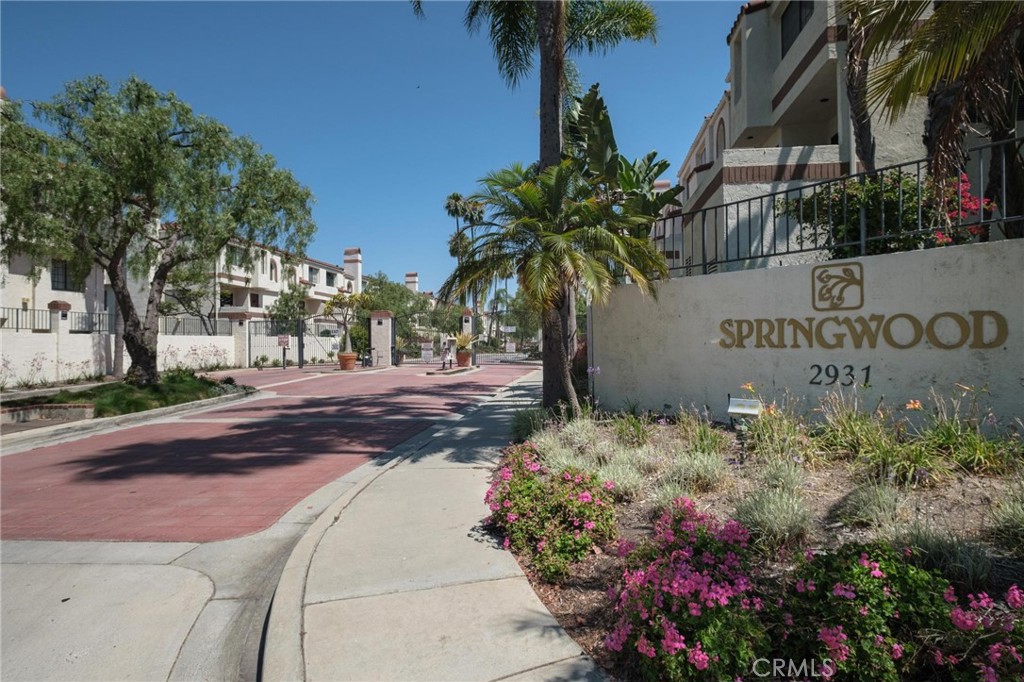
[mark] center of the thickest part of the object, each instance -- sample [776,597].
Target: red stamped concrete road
[226,472]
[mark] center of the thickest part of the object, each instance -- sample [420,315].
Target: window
[314,275]
[702,156]
[263,262]
[254,300]
[794,18]
[273,271]
[61,279]
[720,139]
[227,298]
[331,279]
[235,256]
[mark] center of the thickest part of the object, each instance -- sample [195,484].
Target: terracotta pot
[347,360]
[463,357]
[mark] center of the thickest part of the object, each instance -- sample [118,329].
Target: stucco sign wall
[891,326]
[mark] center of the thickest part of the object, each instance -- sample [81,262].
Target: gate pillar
[381,337]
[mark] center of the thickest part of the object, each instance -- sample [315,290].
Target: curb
[283,650]
[48,434]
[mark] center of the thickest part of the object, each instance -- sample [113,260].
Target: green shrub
[628,478]
[1008,521]
[908,464]
[553,519]
[527,422]
[580,434]
[864,609]
[689,610]
[782,474]
[699,471]
[849,430]
[633,430]
[965,564]
[778,432]
[698,434]
[873,505]
[776,517]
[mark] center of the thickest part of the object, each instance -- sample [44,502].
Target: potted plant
[463,348]
[343,307]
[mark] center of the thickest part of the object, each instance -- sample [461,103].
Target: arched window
[273,270]
[720,138]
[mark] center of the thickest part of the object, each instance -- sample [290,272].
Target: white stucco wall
[681,349]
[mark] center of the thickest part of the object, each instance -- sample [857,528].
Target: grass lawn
[175,387]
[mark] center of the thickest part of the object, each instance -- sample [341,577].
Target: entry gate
[310,341]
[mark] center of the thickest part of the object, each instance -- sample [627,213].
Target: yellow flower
[770,409]
[748,387]
[913,405]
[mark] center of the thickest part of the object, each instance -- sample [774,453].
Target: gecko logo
[837,287]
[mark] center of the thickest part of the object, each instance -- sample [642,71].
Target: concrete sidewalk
[397,581]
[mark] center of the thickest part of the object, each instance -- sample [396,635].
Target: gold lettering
[915,325]
[961,323]
[780,327]
[764,333]
[744,330]
[730,337]
[837,339]
[806,332]
[861,329]
[1002,330]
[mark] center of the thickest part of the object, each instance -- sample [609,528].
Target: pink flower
[843,590]
[897,652]
[1015,598]
[589,525]
[644,647]
[609,485]
[506,473]
[511,518]
[963,620]
[698,658]
[585,496]
[950,595]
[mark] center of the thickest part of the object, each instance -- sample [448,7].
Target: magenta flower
[1015,598]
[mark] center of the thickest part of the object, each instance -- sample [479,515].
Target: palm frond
[597,27]
[512,27]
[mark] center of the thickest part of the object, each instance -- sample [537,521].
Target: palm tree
[966,58]
[558,239]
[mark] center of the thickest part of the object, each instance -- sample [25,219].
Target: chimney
[412,281]
[354,267]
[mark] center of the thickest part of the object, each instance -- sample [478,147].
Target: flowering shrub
[957,203]
[688,610]
[874,616]
[553,519]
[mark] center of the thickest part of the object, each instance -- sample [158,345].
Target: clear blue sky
[380,114]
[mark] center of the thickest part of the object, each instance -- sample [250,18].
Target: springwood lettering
[946,330]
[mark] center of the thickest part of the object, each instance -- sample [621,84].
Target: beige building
[784,121]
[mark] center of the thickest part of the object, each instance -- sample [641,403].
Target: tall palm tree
[555,30]
[558,239]
[966,57]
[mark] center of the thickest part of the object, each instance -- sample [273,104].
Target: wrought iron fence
[90,323]
[194,326]
[20,318]
[896,208]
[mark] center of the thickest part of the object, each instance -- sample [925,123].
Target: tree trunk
[856,93]
[140,341]
[551,37]
[557,387]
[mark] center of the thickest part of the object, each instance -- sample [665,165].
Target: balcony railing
[897,208]
[20,318]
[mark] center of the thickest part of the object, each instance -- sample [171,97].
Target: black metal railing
[90,323]
[20,319]
[896,208]
[194,326]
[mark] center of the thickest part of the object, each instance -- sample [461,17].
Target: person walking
[446,356]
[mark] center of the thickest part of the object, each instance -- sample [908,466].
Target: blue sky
[380,114]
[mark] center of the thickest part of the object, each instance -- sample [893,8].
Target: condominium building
[783,121]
